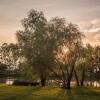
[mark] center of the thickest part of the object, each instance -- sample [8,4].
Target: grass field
[47,93]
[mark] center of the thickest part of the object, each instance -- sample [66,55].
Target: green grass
[47,93]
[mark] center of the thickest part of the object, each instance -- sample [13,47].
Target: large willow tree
[42,43]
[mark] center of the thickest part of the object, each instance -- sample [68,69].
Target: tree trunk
[77,80]
[83,76]
[68,85]
[64,85]
[69,78]
[64,78]
[90,77]
[43,79]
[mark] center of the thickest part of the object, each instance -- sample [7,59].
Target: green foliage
[9,55]
[27,72]
[3,68]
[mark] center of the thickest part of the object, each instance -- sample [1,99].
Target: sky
[84,13]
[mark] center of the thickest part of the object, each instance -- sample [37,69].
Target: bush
[25,83]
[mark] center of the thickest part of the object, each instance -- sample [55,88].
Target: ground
[47,93]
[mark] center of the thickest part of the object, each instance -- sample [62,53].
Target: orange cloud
[10,38]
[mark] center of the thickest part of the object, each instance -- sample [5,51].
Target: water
[9,81]
[94,83]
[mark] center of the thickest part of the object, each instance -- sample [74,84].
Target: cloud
[91,29]
[96,23]
[84,26]
[93,25]
[92,37]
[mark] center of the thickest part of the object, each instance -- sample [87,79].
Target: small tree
[9,55]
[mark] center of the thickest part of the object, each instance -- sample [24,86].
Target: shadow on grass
[65,94]
[25,94]
[84,93]
[79,93]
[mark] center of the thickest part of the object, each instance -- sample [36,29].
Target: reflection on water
[94,83]
[9,81]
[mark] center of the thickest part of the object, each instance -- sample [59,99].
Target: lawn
[47,93]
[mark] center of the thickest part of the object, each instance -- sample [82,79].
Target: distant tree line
[51,48]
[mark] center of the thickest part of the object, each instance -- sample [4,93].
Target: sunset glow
[84,13]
